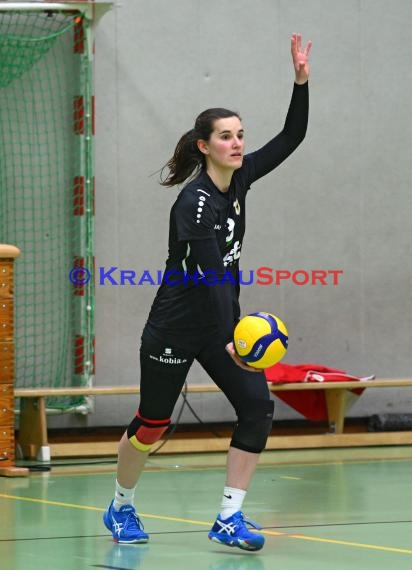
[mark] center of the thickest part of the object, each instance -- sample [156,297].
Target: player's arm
[282,145]
[195,219]
[207,256]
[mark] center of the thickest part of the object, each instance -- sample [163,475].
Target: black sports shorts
[164,367]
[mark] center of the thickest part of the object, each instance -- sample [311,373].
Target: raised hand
[300,58]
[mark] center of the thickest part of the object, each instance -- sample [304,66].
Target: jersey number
[233,254]
[231,227]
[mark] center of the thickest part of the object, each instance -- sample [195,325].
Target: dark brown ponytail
[187,160]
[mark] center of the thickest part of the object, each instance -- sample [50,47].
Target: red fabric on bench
[309,403]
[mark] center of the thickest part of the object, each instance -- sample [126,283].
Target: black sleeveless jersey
[200,286]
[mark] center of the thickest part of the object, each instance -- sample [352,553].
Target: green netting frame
[41,154]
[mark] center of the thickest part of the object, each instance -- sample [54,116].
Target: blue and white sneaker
[125,525]
[233,532]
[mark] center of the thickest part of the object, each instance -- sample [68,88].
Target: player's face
[226,145]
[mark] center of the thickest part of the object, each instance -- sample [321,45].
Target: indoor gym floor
[321,509]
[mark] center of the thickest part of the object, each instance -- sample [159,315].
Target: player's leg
[164,368]
[163,371]
[249,395]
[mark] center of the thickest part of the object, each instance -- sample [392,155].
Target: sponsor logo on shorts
[168,358]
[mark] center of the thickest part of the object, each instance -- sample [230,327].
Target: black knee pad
[253,426]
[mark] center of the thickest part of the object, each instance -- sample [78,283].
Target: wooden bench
[33,437]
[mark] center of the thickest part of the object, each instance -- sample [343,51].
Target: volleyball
[261,339]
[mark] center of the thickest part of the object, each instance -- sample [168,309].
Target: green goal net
[46,193]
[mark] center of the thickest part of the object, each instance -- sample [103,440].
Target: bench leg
[336,405]
[33,429]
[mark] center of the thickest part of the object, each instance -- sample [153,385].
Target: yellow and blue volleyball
[261,339]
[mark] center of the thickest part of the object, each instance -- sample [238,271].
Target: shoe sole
[137,541]
[242,544]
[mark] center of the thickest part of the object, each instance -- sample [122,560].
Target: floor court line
[208,523]
[98,509]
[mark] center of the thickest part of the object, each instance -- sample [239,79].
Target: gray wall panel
[342,201]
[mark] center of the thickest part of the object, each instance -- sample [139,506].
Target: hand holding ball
[261,339]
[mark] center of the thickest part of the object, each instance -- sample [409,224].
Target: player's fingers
[293,45]
[308,48]
[230,347]
[298,41]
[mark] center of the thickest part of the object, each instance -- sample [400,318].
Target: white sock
[232,501]
[123,496]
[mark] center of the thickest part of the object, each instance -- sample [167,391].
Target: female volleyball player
[196,308]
